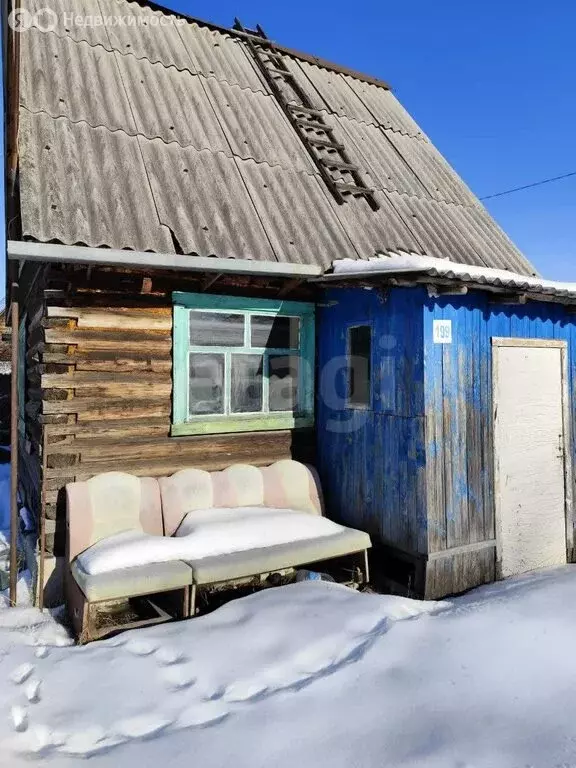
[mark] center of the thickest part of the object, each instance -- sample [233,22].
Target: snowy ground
[311,675]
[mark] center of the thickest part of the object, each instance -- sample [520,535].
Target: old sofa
[192,504]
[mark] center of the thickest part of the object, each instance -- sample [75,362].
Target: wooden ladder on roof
[342,176]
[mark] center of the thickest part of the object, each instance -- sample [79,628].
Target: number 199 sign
[442,331]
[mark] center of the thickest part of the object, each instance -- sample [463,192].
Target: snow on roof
[431,266]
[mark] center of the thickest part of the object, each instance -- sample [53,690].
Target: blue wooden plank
[485,405]
[455,473]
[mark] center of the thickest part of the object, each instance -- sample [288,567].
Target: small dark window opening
[359,366]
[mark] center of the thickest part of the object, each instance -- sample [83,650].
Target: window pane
[246,389]
[283,376]
[206,384]
[275,332]
[359,349]
[216,329]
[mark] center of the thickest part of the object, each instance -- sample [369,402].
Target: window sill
[242,424]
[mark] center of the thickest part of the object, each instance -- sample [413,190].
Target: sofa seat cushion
[251,562]
[206,533]
[131,582]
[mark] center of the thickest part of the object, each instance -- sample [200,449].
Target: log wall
[100,386]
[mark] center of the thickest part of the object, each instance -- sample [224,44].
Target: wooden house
[178,195]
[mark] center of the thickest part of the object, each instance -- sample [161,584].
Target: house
[185,202]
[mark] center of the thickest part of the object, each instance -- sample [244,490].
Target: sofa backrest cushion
[284,485]
[184,492]
[111,503]
[291,485]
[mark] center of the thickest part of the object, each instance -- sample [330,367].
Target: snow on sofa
[130,537]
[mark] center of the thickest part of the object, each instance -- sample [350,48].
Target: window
[242,364]
[359,366]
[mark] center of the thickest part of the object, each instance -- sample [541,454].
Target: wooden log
[141,391]
[87,379]
[52,418]
[73,336]
[113,408]
[125,364]
[206,452]
[115,428]
[86,346]
[103,448]
[160,468]
[156,319]
[103,360]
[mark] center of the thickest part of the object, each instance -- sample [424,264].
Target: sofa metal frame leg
[192,601]
[186,602]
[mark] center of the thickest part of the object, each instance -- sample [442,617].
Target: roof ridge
[310,58]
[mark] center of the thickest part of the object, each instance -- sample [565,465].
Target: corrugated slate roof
[84,185]
[161,133]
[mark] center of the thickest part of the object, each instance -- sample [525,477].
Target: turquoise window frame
[182,422]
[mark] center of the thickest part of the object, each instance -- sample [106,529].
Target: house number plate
[442,331]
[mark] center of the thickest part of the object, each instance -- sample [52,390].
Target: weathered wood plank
[454,454]
[474,418]
[118,391]
[102,360]
[156,319]
[435,489]
[108,406]
[90,379]
[459,572]
[146,348]
[61,335]
[115,428]
[165,456]
[163,467]
[104,449]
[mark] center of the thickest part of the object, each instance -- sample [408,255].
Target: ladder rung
[281,72]
[328,143]
[353,189]
[304,110]
[270,54]
[340,164]
[317,126]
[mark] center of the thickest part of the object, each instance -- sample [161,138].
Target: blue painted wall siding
[416,468]
[458,395]
[372,461]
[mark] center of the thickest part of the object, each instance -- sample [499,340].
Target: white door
[529,453]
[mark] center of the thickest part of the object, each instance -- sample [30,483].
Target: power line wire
[529,186]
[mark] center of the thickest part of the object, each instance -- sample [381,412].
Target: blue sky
[492,83]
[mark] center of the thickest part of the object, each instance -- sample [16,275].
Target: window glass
[216,329]
[283,382]
[359,365]
[246,385]
[275,332]
[206,383]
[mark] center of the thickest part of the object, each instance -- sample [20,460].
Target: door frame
[566,425]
